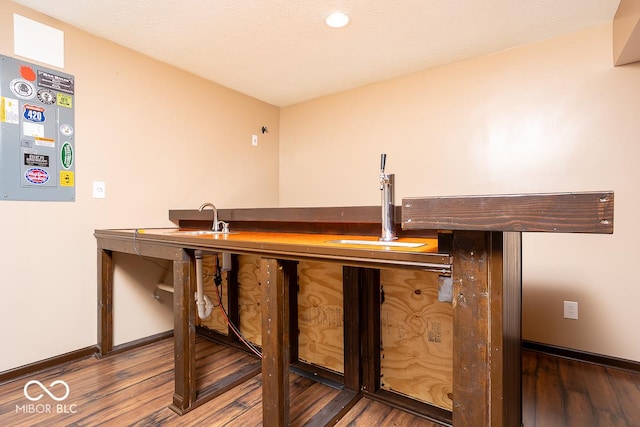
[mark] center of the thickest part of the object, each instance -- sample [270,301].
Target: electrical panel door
[37,149]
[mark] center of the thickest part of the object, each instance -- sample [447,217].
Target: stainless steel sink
[378,243]
[202,232]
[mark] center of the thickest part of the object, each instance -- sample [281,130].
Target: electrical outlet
[254,140]
[99,190]
[571,310]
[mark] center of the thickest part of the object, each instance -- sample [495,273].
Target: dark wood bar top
[584,212]
[422,252]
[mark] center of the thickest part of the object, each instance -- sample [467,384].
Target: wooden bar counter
[472,243]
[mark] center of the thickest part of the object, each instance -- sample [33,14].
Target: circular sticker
[36,176]
[22,88]
[66,130]
[46,96]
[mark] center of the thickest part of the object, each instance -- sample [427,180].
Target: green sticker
[66,155]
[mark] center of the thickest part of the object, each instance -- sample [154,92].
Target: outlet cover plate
[99,190]
[571,310]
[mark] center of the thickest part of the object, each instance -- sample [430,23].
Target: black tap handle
[383,160]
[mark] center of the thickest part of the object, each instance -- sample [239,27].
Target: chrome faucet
[388,208]
[215,226]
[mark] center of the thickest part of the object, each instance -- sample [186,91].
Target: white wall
[554,116]
[161,139]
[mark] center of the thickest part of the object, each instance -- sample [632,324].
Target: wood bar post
[105,301]
[370,339]
[233,296]
[290,271]
[487,280]
[184,334]
[275,344]
[351,309]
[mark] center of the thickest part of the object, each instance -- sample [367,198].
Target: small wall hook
[265,129]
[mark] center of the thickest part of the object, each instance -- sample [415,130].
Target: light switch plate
[99,190]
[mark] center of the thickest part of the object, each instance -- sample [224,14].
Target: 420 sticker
[34,113]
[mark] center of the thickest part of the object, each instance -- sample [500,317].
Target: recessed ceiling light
[337,20]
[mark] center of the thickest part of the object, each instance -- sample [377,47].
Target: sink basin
[201,232]
[378,243]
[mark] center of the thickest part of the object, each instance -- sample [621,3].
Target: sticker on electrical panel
[36,176]
[33,113]
[66,130]
[55,82]
[27,73]
[66,179]
[65,100]
[46,96]
[45,142]
[33,159]
[9,110]
[22,88]
[66,155]
[33,129]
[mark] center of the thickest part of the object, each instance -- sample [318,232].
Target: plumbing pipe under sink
[162,287]
[203,302]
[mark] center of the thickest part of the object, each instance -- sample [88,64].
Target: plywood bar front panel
[216,320]
[320,315]
[249,297]
[417,337]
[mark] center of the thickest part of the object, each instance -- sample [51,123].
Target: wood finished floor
[134,388]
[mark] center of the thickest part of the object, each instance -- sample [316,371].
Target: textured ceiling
[281,52]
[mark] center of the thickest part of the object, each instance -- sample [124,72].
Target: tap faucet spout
[214,226]
[388,207]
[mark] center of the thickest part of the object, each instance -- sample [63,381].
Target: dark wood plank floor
[561,392]
[134,388]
